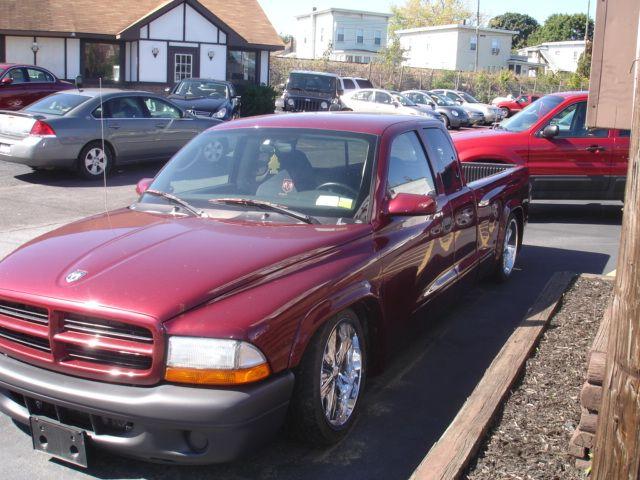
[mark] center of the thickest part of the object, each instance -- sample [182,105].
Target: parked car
[206,98]
[566,159]
[307,91]
[372,100]
[454,116]
[511,106]
[491,114]
[354,83]
[65,130]
[21,85]
[187,326]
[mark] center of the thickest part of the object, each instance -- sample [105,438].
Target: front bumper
[167,423]
[37,152]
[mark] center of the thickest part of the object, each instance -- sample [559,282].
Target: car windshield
[468,98]
[323,174]
[442,100]
[531,114]
[312,82]
[57,104]
[202,89]
[362,83]
[404,101]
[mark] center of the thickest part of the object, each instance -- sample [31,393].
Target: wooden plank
[600,340]
[596,368]
[588,421]
[450,455]
[591,397]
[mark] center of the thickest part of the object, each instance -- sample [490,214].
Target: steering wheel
[345,188]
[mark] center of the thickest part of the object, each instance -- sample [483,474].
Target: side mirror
[78,82]
[459,102]
[551,131]
[167,89]
[143,185]
[7,81]
[411,204]
[340,91]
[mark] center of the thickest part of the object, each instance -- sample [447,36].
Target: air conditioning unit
[495,51]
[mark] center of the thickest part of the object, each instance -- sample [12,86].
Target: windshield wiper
[172,198]
[274,207]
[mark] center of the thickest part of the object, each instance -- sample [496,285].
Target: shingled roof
[111,17]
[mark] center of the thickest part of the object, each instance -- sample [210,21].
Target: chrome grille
[307,105]
[104,357]
[24,312]
[106,328]
[25,340]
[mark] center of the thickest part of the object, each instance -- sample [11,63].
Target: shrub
[258,100]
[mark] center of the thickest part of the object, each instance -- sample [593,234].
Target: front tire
[93,161]
[505,111]
[508,250]
[447,123]
[329,382]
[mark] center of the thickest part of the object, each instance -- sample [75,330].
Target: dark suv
[310,92]
[21,85]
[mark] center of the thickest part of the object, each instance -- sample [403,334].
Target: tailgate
[16,125]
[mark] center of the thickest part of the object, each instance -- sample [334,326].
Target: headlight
[290,102]
[454,113]
[221,113]
[324,105]
[211,361]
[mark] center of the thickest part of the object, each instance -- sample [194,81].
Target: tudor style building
[141,41]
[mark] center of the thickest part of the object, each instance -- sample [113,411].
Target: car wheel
[508,250]
[329,382]
[447,122]
[505,112]
[93,161]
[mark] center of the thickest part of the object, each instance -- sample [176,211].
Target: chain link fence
[483,85]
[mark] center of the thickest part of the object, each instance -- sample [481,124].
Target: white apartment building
[454,47]
[341,34]
[555,56]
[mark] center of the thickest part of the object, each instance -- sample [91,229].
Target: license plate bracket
[59,441]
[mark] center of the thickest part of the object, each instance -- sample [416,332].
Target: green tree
[524,24]
[425,13]
[584,62]
[391,55]
[560,27]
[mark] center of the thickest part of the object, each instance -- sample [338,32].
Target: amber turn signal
[217,377]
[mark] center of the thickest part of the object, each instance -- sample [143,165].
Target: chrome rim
[213,151]
[341,374]
[505,112]
[95,161]
[510,247]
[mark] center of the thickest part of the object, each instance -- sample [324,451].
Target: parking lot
[406,408]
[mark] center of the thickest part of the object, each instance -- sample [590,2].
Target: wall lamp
[211,54]
[155,51]
[35,47]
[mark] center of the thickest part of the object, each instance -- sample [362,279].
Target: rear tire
[330,382]
[508,250]
[93,161]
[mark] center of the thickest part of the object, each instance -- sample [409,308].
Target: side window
[161,109]
[571,122]
[39,76]
[17,75]
[348,84]
[409,170]
[452,96]
[444,158]
[624,133]
[382,97]
[124,107]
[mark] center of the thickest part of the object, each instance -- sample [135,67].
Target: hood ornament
[75,276]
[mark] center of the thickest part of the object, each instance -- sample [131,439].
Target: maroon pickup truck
[566,159]
[242,290]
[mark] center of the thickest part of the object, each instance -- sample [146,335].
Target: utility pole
[477,36]
[586,27]
[617,443]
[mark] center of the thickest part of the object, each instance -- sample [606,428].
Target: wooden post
[617,443]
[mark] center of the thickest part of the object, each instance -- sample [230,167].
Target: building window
[473,43]
[101,60]
[350,58]
[182,66]
[242,67]
[518,69]
[377,38]
[359,36]
[495,46]
[575,55]
[366,59]
[322,34]
[357,59]
[340,35]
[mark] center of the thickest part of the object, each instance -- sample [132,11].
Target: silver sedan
[67,129]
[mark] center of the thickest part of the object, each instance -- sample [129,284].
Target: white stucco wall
[198,28]
[431,50]
[134,61]
[264,67]
[466,58]
[565,57]
[153,69]
[168,26]
[18,49]
[73,58]
[215,68]
[51,55]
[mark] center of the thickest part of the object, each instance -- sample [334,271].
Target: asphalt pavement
[406,408]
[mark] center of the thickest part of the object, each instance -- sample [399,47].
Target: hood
[206,104]
[476,134]
[449,108]
[161,265]
[308,94]
[423,109]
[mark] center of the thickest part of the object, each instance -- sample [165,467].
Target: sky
[282,12]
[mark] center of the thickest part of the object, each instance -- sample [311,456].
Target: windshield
[468,98]
[57,104]
[323,174]
[202,88]
[531,114]
[362,83]
[442,100]
[404,101]
[312,82]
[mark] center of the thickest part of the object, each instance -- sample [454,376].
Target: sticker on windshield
[334,201]
[287,185]
[274,164]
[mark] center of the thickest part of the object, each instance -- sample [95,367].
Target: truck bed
[474,171]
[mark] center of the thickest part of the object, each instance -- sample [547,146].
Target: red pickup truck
[566,160]
[240,290]
[509,107]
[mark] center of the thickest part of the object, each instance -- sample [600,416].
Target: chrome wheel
[341,374]
[213,151]
[505,112]
[95,161]
[510,247]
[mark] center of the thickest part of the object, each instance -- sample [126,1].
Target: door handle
[161,125]
[113,126]
[595,148]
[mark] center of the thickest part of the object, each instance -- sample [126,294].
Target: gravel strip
[530,438]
